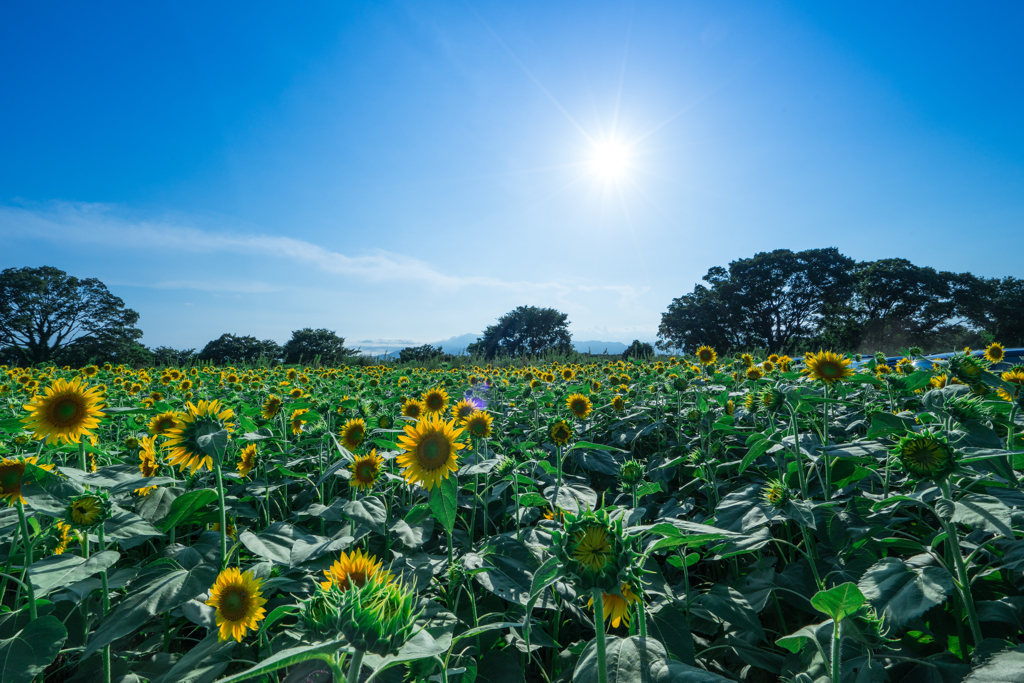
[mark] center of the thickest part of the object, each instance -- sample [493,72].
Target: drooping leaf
[58,571]
[444,502]
[1005,667]
[900,592]
[186,505]
[27,653]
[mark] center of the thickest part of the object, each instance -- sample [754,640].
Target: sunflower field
[692,519]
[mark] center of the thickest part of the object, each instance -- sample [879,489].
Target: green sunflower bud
[775,493]
[631,473]
[593,552]
[967,408]
[965,368]
[380,617]
[772,399]
[925,455]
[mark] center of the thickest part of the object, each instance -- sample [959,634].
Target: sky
[414,170]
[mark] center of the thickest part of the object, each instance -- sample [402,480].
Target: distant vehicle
[1011,357]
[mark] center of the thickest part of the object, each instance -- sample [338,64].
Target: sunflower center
[433,451]
[65,411]
[234,604]
[10,478]
[366,472]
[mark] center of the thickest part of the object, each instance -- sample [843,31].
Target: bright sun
[611,159]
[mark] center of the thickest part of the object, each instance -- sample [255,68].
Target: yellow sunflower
[238,601]
[247,460]
[561,432]
[354,569]
[62,537]
[463,409]
[617,607]
[206,417]
[827,366]
[435,400]
[296,420]
[413,408]
[995,352]
[352,433]
[161,424]
[568,375]
[85,511]
[754,373]
[365,470]
[272,406]
[706,355]
[1013,376]
[431,451]
[147,463]
[593,548]
[579,405]
[11,472]
[478,424]
[618,404]
[65,412]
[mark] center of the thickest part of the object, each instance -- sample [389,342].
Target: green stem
[28,559]
[10,560]
[837,661]
[824,446]
[105,605]
[602,664]
[963,580]
[81,455]
[223,518]
[354,666]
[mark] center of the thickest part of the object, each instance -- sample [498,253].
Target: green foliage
[525,331]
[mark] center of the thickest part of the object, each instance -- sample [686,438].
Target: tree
[44,310]
[167,356]
[422,354]
[308,344]
[995,305]
[638,349]
[229,349]
[528,330]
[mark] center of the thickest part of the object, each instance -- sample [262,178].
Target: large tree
[527,330]
[229,349]
[44,311]
[308,345]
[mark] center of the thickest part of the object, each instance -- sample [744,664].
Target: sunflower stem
[824,446]
[837,660]
[27,541]
[223,518]
[81,455]
[354,666]
[105,605]
[602,665]
[10,560]
[963,582]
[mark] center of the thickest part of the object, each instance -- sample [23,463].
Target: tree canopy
[307,345]
[229,349]
[46,313]
[792,301]
[422,354]
[527,330]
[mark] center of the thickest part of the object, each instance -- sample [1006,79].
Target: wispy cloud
[105,225]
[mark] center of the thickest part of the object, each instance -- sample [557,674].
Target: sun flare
[610,159]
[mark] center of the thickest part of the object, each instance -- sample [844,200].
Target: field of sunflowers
[686,519]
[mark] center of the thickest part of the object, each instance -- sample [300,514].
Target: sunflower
[593,548]
[354,569]
[568,375]
[413,408]
[706,355]
[85,511]
[478,424]
[618,404]
[365,470]
[925,455]
[272,406]
[62,537]
[65,412]
[238,601]
[435,400]
[204,418]
[1014,375]
[561,432]
[775,493]
[827,366]
[353,432]
[617,607]
[385,421]
[11,472]
[995,352]
[754,373]
[161,424]
[147,463]
[295,393]
[431,451]
[296,420]
[247,460]
[463,409]
[579,404]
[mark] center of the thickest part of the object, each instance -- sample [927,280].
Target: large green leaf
[186,505]
[31,650]
[1005,667]
[283,543]
[58,571]
[729,605]
[985,512]
[444,502]
[839,602]
[289,657]
[900,592]
[202,663]
[638,660]
[670,627]
[128,528]
[510,568]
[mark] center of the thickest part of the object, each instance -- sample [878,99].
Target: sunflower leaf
[444,502]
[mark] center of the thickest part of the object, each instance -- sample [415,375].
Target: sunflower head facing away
[87,510]
[617,605]
[435,401]
[247,460]
[11,472]
[200,419]
[706,355]
[65,412]
[431,451]
[297,419]
[238,602]
[925,455]
[478,424]
[162,424]
[631,473]
[561,432]
[378,617]
[593,551]
[579,405]
[353,432]
[365,470]
[827,366]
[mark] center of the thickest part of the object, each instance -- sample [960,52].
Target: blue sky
[414,170]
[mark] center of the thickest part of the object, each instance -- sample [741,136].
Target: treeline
[791,302]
